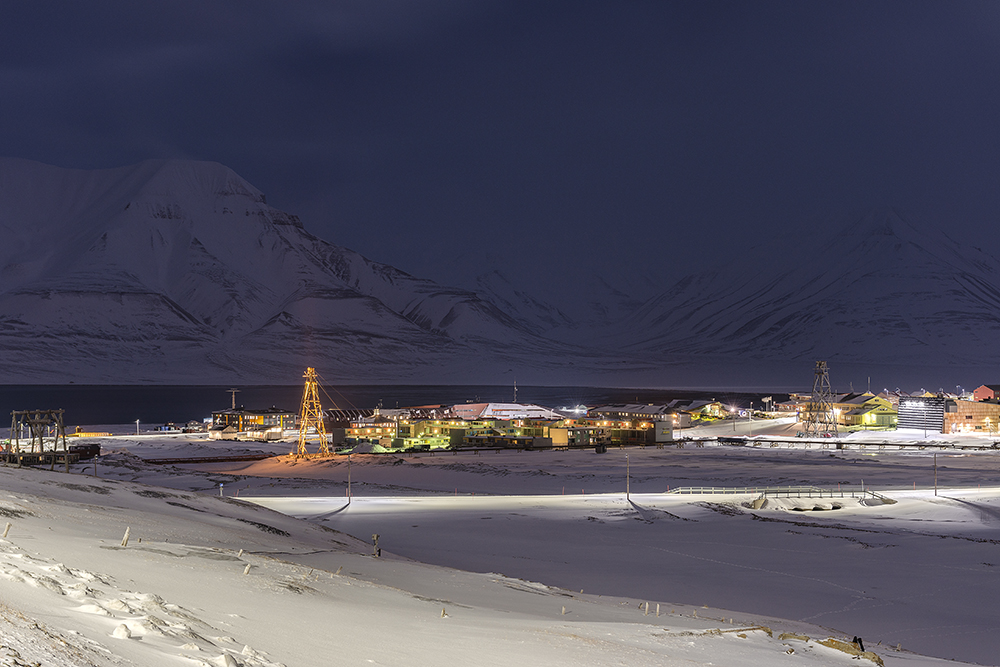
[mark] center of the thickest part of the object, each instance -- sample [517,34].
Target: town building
[503,411]
[697,408]
[924,413]
[643,413]
[337,418]
[986,392]
[971,417]
[243,424]
[852,410]
[375,428]
[865,411]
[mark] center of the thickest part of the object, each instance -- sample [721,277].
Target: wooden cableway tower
[37,422]
[311,416]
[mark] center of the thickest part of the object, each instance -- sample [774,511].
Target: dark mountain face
[880,292]
[180,272]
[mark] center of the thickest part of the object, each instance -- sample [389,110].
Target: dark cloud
[562,135]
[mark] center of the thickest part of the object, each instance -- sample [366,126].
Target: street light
[137,427]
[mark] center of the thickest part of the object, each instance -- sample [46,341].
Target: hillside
[220,582]
[180,271]
[880,294]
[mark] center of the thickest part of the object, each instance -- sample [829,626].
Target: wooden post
[62,434]
[627,479]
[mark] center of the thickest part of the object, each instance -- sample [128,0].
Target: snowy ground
[923,573]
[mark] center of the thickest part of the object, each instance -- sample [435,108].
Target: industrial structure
[311,416]
[39,424]
[820,419]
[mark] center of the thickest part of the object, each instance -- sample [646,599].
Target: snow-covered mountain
[595,300]
[880,292]
[180,271]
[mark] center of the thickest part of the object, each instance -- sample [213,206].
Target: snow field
[178,592]
[920,572]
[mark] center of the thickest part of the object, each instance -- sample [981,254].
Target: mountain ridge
[177,256]
[876,285]
[179,271]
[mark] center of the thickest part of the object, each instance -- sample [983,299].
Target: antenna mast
[233,392]
[311,415]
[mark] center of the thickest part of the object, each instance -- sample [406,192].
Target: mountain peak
[885,222]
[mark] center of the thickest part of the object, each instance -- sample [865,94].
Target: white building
[471,411]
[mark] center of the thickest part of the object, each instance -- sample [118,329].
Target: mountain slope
[881,291]
[180,271]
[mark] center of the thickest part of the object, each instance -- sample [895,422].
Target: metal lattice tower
[820,417]
[311,415]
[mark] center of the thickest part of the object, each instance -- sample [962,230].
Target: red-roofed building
[986,391]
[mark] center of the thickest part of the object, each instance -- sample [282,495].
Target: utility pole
[627,479]
[935,473]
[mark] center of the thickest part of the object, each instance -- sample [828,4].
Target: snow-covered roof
[503,411]
[243,411]
[638,409]
[689,404]
[854,399]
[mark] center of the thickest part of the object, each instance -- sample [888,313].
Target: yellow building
[852,411]
[865,411]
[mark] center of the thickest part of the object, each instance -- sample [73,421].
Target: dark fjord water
[155,404]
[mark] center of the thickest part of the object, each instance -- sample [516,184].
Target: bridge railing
[745,490]
[784,492]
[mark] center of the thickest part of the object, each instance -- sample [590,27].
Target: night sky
[578,134]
